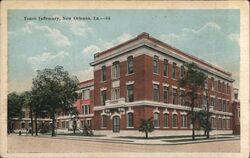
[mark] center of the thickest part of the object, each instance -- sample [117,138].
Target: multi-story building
[138,79]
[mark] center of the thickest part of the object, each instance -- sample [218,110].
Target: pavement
[155,141]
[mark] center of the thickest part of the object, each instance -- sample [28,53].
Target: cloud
[90,50]
[234,37]
[46,58]
[52,34]
[85,74]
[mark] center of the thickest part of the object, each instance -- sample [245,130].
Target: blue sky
[212,35]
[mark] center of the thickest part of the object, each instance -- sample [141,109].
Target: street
[23,144]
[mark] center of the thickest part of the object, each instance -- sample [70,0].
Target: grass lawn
[159,137]
[197,139]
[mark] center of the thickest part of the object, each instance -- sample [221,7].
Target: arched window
[174,120]
[130,64]
[130,120]
[156,64]
[156,120]
[104,121]
[165,120]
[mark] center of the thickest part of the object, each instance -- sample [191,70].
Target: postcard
[124,79]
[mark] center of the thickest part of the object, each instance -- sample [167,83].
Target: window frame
[130,120]
[128,94]
[156,120]
[156,64]
[130,69]
[158,92]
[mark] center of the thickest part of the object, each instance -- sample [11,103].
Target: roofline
[154,40]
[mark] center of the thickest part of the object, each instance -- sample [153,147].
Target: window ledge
[174,79]
[166,127]
[165,76]
[103,127]
[174,127]
[130,127]
[129,74]
[156,73]
[183,127]
[156,127]
[103,81]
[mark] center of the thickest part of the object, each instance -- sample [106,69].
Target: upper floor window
[212,102]
[103,73]
[130,120]
[85,94]
[182,95]
[155,92]
[130,93]
[206,83]
[103,97]
[223,87]
[212,83]
[174,71]
[165,73]
[130,64]
[115,70]
[182,71]
[174,96]
[228,89]
[165,94]
[156,120]
[85,109]
[156,64]
[219,86]
[115,93]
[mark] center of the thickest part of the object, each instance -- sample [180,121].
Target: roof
[86,83]
[145,35]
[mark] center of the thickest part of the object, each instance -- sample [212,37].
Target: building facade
[138,79]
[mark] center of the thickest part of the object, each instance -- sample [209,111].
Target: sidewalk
[178,140]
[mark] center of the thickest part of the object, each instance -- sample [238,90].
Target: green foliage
[15,102]
[146,126]
[202,117]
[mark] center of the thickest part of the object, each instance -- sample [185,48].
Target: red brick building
[138,79]
[236,111]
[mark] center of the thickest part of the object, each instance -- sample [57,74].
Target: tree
[28,103]
[194,80]
[74,114]
[56,91]
[15,102]
[146,126]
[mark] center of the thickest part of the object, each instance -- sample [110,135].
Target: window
[155,92]
[204,100]
[212,82]
[103,73]
[156,64]
[228,89]
[115,70]
[174,96]
[104,121]
[86,109]
[130,93]
[223,87]
[165,73]
[212,102]
[182,95]
[165,94]
[182,71]
[174,71]
[63,124]
[183,120]
[165,120]
[130,64]
[115,93]
[156,120]
[86,94]
[174,120]
[130,120]
[206,83]
[22,125]
[223,105]
[219,86]
[103,97]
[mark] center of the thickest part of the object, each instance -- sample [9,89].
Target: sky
[212,35]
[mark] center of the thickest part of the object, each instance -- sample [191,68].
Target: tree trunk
[207,134]
[31,120]
[193,120]
[146,135]
[36,125]
[53,124]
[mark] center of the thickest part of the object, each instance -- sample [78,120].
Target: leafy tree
[194,80]
[146,126]
[56,91]
[15,102]
[74,113]
[27,96]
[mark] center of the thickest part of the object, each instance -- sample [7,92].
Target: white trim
[130,82]
[115,114]
[183,89]
[174,87]
[174,112]
[166,111]
[156,110]
[156,82]
[129,110]
[165,84]
[184,113]
[103,89]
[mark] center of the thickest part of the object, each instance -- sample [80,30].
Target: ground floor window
[156,120]
[63,124]
[22,125]
[174,120]
[183,120]
[104,121]
[130,119]
[166,120]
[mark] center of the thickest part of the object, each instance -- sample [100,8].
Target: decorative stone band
[156,104]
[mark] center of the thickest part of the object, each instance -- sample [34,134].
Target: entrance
[116,124]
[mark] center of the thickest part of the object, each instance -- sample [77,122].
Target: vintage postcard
[124,79]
